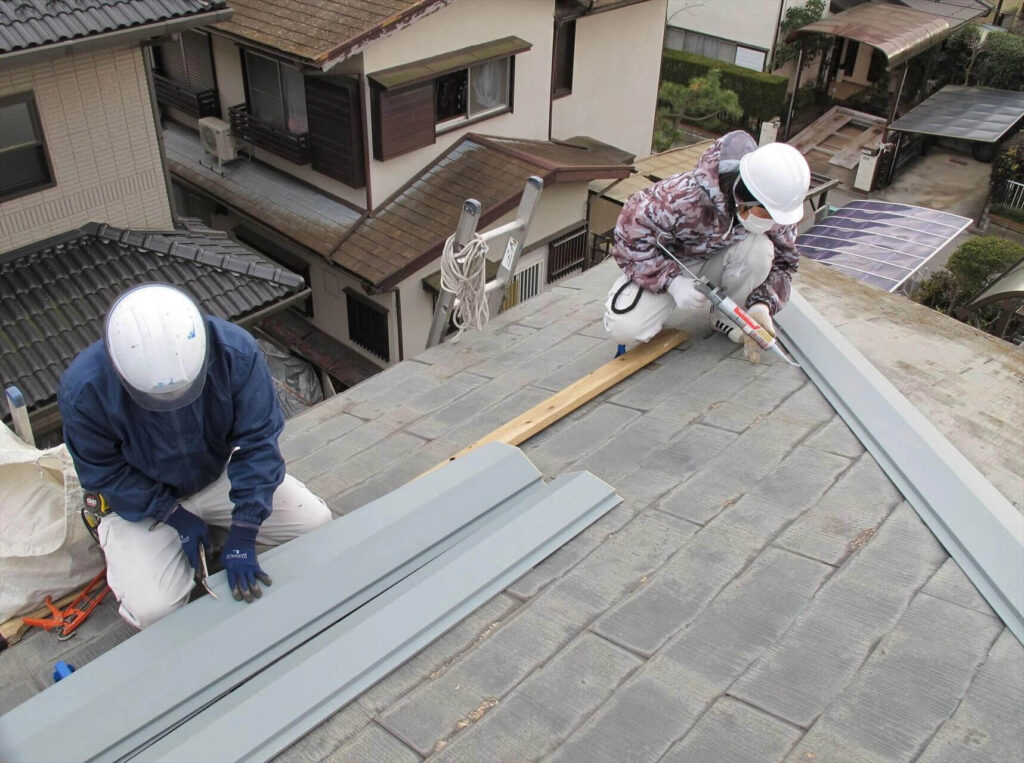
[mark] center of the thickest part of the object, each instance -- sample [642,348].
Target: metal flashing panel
[253,723]
[882,243]
[968,113]
[976,524]
[194,656]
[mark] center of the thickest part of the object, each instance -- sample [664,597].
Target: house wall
[615,78]
[99,130]
[561,205]
[459,25]
[747,22]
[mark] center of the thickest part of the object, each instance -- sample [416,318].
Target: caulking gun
[736,315]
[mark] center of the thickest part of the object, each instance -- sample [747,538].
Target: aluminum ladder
[517,231]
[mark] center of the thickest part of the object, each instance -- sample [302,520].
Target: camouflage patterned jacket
[696,212]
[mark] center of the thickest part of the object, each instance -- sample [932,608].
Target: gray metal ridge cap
[976,523]
[323,674]
[496,469]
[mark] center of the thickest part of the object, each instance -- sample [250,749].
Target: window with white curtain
[474,92]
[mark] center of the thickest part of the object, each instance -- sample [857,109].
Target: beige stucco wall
[561,205]
[459,25]
[98,125]
[615,78]
[747,22]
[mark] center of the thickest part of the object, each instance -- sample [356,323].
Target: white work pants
[738,269]
[147,569]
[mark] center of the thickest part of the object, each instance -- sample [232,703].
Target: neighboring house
[343,141]
[84,208]
[741,32]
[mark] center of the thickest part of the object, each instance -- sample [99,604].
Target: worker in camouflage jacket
[173,418]
[731,219]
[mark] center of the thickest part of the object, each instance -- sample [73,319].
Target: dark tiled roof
[31,23]
[318,30]
[410,229]
[53,296]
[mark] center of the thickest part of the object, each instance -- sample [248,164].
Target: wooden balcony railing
[196,103]
[288,145]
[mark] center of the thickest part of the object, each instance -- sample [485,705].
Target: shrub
[761,96]
[970,268]
[1001,62]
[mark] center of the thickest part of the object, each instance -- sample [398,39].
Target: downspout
[775,38]
[398,320]
[159,130]
[364,99]
[796,87]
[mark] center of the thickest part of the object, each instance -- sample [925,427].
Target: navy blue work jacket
[143,462]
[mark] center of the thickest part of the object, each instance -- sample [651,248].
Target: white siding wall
[465,23]
[98,125]
[615,78]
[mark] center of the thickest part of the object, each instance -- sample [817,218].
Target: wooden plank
[833,120]
[564,402]
[850,155]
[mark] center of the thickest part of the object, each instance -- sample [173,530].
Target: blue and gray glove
[191,532]
[239,560]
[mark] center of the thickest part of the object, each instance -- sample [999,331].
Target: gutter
[129,36]
[277,307]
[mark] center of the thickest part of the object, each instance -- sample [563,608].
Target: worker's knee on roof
[144,610]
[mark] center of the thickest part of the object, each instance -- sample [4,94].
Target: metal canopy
[900,33]
[978,526]
[970,113]
[880,242]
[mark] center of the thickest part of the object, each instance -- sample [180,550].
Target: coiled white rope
[465,275]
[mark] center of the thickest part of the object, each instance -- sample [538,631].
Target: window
[472,93]
[412,103]
[525,284]
[562,59]
[368,324]
[187,60]
[24,163]
[701,44]
[277,93]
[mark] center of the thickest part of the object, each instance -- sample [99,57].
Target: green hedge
[762,96]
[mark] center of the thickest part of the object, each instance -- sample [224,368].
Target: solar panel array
[880,242]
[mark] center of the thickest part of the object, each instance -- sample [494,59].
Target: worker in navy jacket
[174,420]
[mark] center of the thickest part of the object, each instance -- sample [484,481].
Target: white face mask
[756,224]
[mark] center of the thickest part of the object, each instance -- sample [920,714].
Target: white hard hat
[155,337]
[777,175]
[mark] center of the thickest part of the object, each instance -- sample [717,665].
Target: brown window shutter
[403,120]
[335,129]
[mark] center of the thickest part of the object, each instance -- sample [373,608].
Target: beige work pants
[147,569]
[738,269]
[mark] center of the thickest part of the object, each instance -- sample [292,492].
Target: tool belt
[94,508]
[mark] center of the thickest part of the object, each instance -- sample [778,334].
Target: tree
[1000,63]
[970,268]
[795,17]
[702,99]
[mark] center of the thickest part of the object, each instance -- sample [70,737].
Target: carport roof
[900,33]
[971,113]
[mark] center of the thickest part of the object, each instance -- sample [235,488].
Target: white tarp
[44,547]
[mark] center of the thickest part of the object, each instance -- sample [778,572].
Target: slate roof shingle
[410,229]
[33,23]
[54,295]
[317,30]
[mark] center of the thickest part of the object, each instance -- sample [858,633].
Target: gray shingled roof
[32,23]
[53,295]
[763,592]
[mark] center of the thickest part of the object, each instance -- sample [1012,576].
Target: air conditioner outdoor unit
[216,139]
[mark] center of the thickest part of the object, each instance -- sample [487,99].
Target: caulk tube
[746,324]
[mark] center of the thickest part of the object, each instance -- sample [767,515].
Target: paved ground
[762,593]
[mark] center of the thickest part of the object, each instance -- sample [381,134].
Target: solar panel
[882,243]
